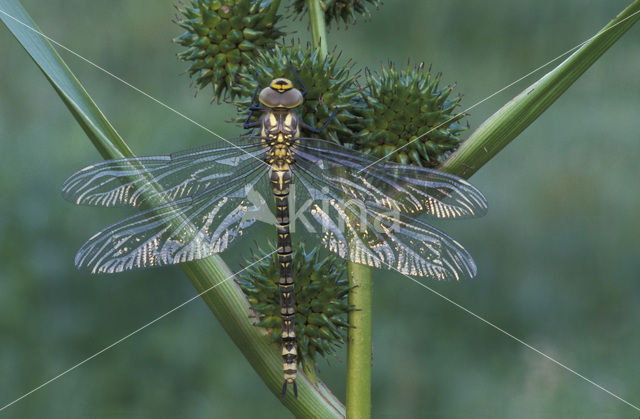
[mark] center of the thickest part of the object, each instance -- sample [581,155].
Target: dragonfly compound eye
[281,94]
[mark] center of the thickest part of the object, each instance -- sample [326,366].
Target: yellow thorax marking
[272,119]
[288,120]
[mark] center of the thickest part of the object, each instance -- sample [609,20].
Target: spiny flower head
[407,113]
[320,293]
[223,37]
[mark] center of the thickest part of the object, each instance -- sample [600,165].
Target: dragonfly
[198,202]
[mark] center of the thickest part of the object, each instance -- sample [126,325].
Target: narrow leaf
[505,125]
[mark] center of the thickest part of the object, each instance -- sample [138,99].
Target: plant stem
[359,344]
[359,349]
[318,26]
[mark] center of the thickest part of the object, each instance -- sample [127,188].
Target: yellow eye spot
[281,85]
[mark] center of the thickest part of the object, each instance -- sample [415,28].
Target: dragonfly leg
[248,124]
[316,130]
[304,88]
[253,108]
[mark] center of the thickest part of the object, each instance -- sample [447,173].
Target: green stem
[359,343]
[359,349]
[318,26]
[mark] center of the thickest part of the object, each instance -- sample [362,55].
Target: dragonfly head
[281,95]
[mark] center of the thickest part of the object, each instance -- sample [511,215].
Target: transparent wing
[133,181]
[366,233]
[407,189]
[186,229]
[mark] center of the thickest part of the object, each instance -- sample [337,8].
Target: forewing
[158,179]
[376,236]
[407,189]
[178,231]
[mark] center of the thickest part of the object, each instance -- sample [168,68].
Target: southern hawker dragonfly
[197,202]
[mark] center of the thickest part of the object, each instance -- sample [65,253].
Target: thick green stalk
[359,348]
[211,277]
[318,26]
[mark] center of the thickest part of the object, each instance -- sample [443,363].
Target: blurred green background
[557,253]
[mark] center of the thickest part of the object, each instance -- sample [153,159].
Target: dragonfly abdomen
[280,182]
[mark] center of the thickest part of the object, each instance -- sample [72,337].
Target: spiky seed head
[223,37]
[400,106]
[320,294]
[330,86]
[336,11]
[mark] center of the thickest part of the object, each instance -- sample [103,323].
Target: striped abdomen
[280,182]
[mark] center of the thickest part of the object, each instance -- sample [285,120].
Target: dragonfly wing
[407,189]
[183,230]
[373,235]
[157,179]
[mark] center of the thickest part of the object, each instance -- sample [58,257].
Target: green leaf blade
[520,112]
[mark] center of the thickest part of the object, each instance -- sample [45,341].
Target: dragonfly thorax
[279,133]
[277,123]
